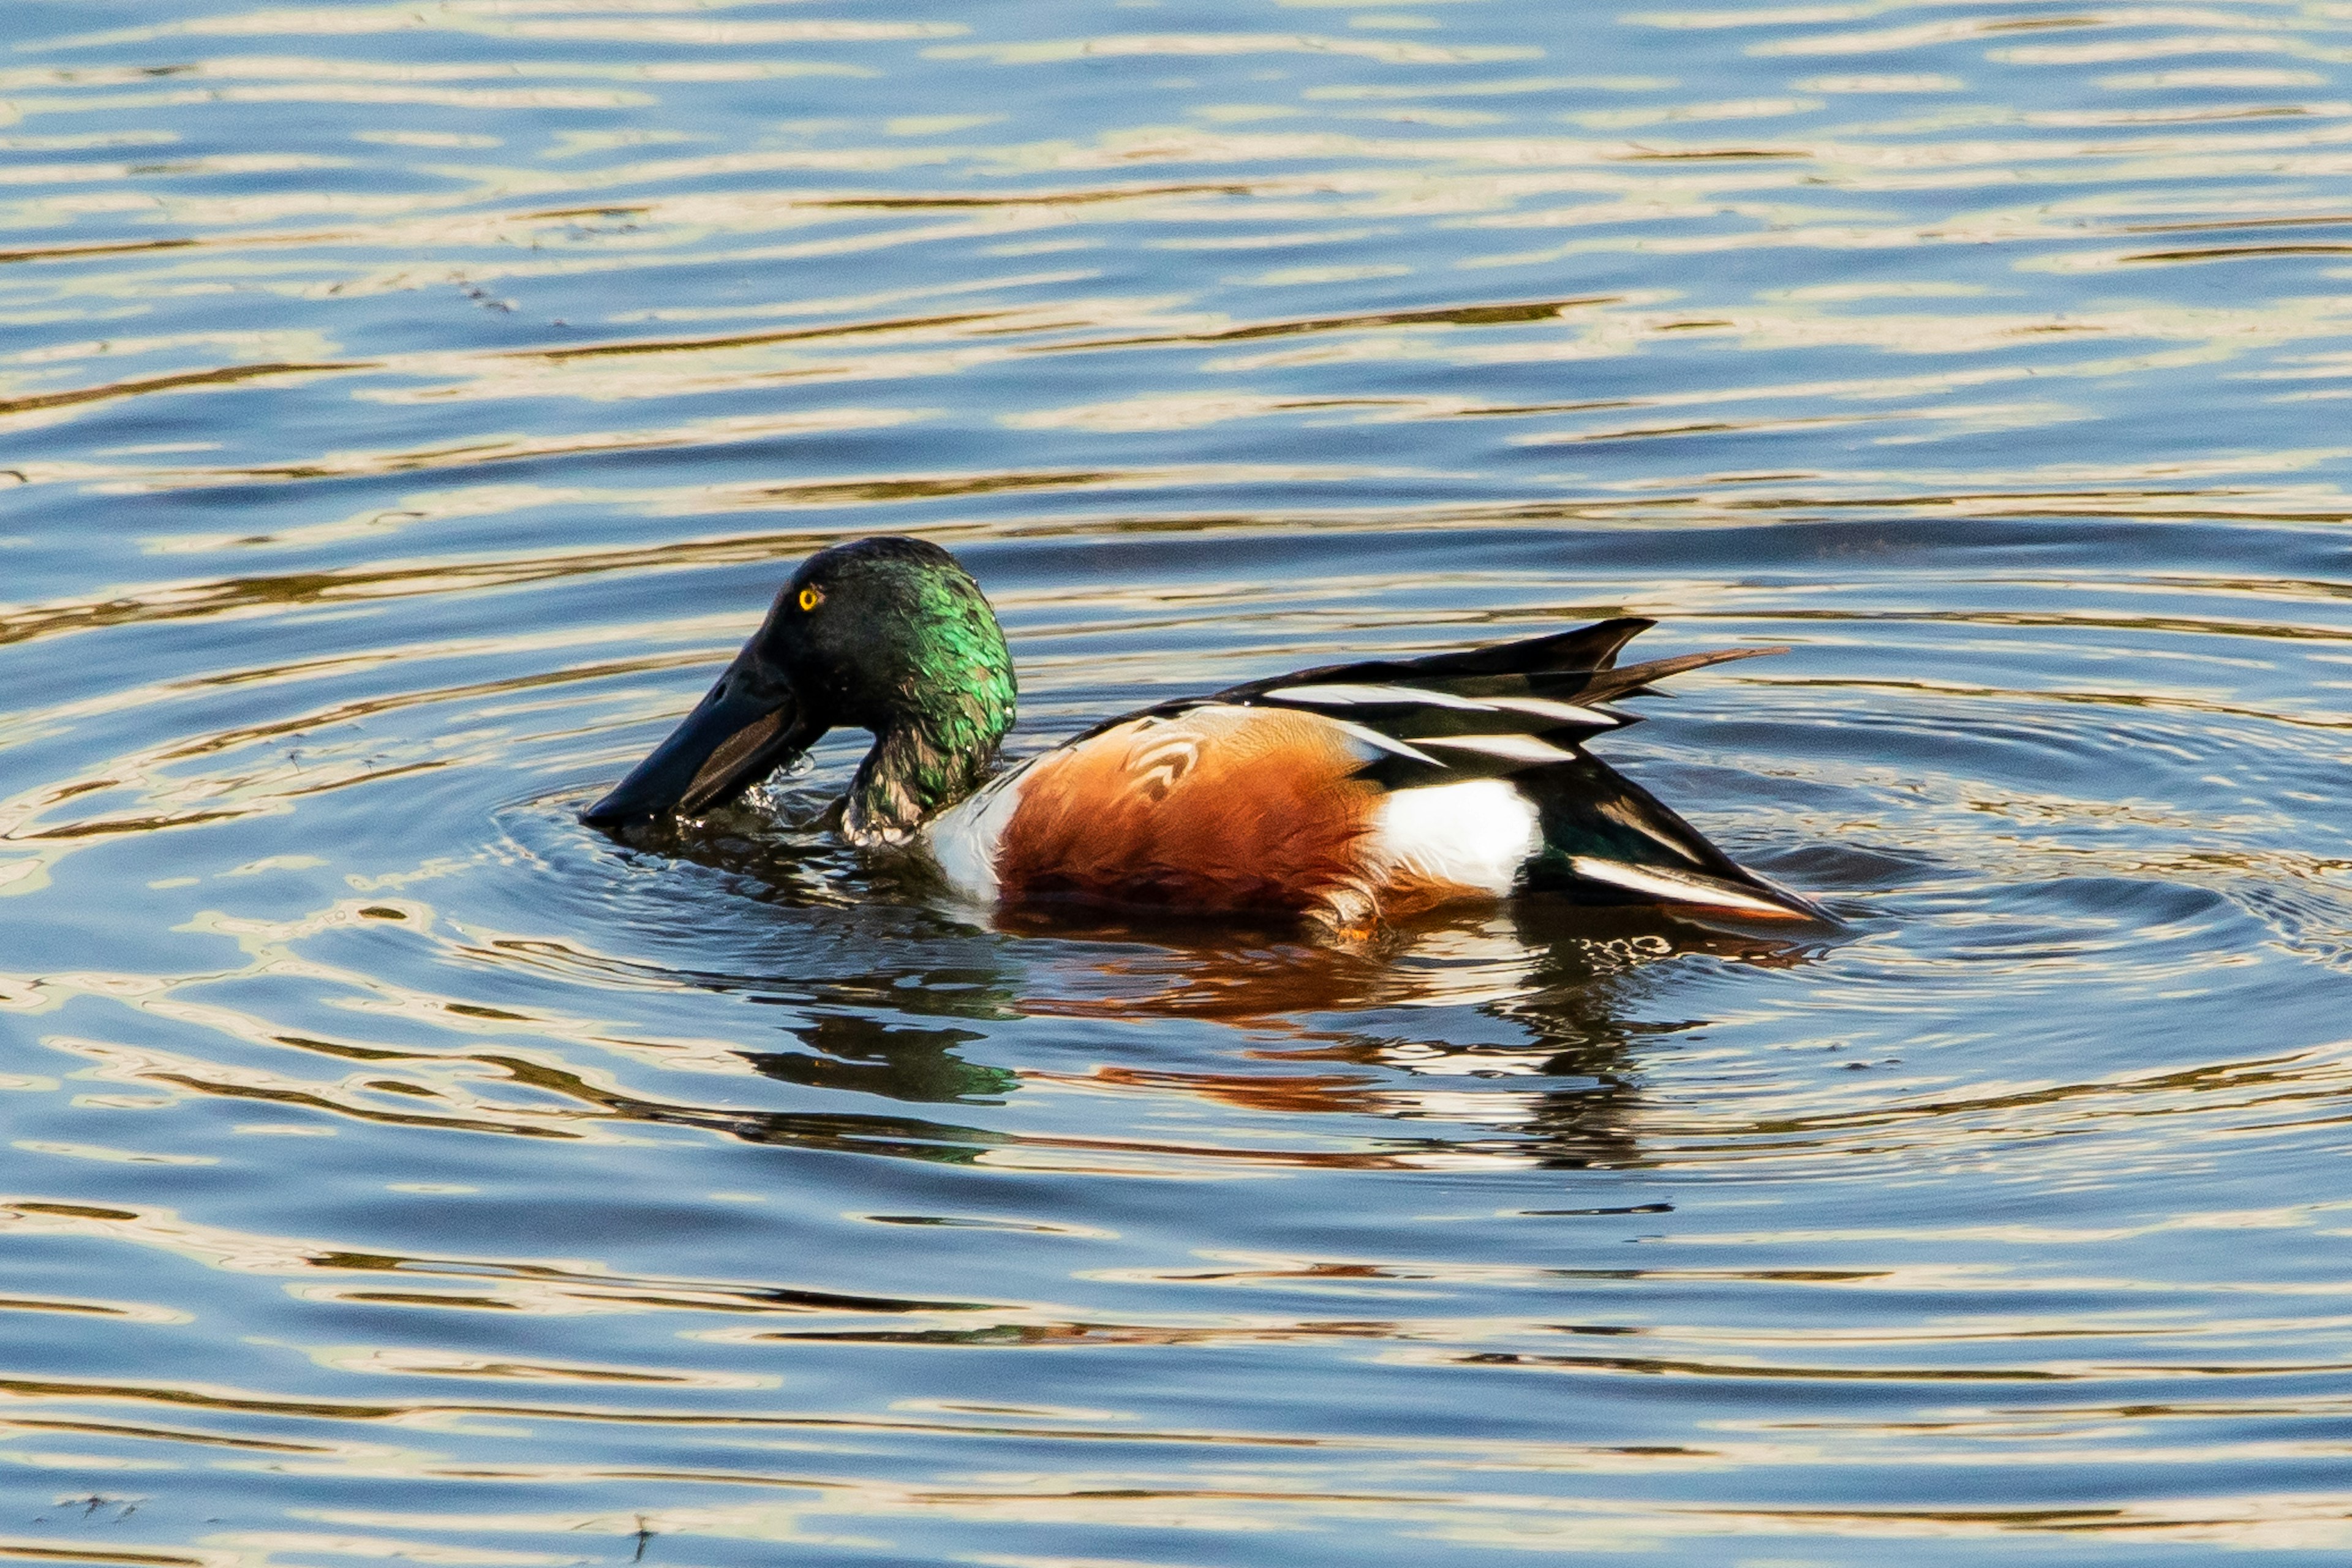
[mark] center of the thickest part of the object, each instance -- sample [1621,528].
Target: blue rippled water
[403,408]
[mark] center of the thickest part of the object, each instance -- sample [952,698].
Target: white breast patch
[963,838]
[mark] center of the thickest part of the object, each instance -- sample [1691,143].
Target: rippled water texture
[404,408]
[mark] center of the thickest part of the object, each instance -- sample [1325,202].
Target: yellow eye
[810,599]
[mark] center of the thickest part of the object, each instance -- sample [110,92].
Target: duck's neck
[937,744]
[909,775]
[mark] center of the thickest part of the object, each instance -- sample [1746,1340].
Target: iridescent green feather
[956,700]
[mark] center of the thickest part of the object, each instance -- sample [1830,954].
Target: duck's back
[1353,794]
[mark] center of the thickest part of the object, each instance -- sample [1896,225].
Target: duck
[1350,797]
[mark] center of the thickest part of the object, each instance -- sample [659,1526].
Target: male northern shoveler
[1348,794]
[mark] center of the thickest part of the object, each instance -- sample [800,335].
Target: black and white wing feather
[1522,712]
[1483,712]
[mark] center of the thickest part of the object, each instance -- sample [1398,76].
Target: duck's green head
[887,634]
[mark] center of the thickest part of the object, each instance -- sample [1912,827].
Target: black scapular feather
[1578,651]
[1576,667]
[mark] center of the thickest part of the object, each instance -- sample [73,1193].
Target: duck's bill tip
[614,809]
[741,731]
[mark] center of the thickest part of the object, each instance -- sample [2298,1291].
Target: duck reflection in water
[1509,1035]
[1348,797]
[1515,1031]
[897,1061]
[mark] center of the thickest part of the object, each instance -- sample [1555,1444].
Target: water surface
[403,409]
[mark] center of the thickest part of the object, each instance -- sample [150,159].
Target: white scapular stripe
[1546,708]
[1374,738]
[1515,748]
[1681,886]
[1347,695]
[1476,834]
